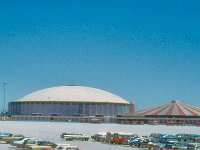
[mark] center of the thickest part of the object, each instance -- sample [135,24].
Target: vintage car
[118,138]
[146,143]
[39,145]
[19,143]
[197,140]
[170,137]
[161,144]
[13,138]
[136,141]
[188,137]
[63,135]
[4,135]
[76,137]
[62,146]
[67,147]
[156,135]
[127,142]
[170,144]
[99,136]
[29,143]
[193,146]
[180,146]
[103,137]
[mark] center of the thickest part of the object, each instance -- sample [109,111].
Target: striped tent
[175,108]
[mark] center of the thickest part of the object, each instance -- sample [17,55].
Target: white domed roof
[73,94]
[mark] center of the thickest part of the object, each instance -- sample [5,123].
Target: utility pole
[4,97]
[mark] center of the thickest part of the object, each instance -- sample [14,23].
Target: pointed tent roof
[175,108]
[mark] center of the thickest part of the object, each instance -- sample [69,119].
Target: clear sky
[147,52]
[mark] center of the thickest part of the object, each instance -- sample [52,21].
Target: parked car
[187,137]
[161,144]
[127,142]
[62,146]
[136,141]
[156,135]
[19,143]
[69,147]
[118,138]
[63,135]
[13,138]
[4,135]
[39,145]
[99,136]
[180,146]
[28,143]
[76,137]
[170,144]
[193,146]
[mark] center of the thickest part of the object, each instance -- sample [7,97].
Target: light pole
[4,96]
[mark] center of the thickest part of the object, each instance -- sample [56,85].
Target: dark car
[136,141]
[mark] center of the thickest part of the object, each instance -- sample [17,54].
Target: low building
[174,113]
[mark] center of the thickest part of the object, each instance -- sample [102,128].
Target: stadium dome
[175,108]
[70,101]
[73,94]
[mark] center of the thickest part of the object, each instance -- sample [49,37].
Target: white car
[17,143]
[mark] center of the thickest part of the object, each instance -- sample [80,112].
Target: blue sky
[147,52]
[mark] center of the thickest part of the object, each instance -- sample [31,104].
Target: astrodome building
[69,101]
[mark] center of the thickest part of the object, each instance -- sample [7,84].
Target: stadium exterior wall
[67,108]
